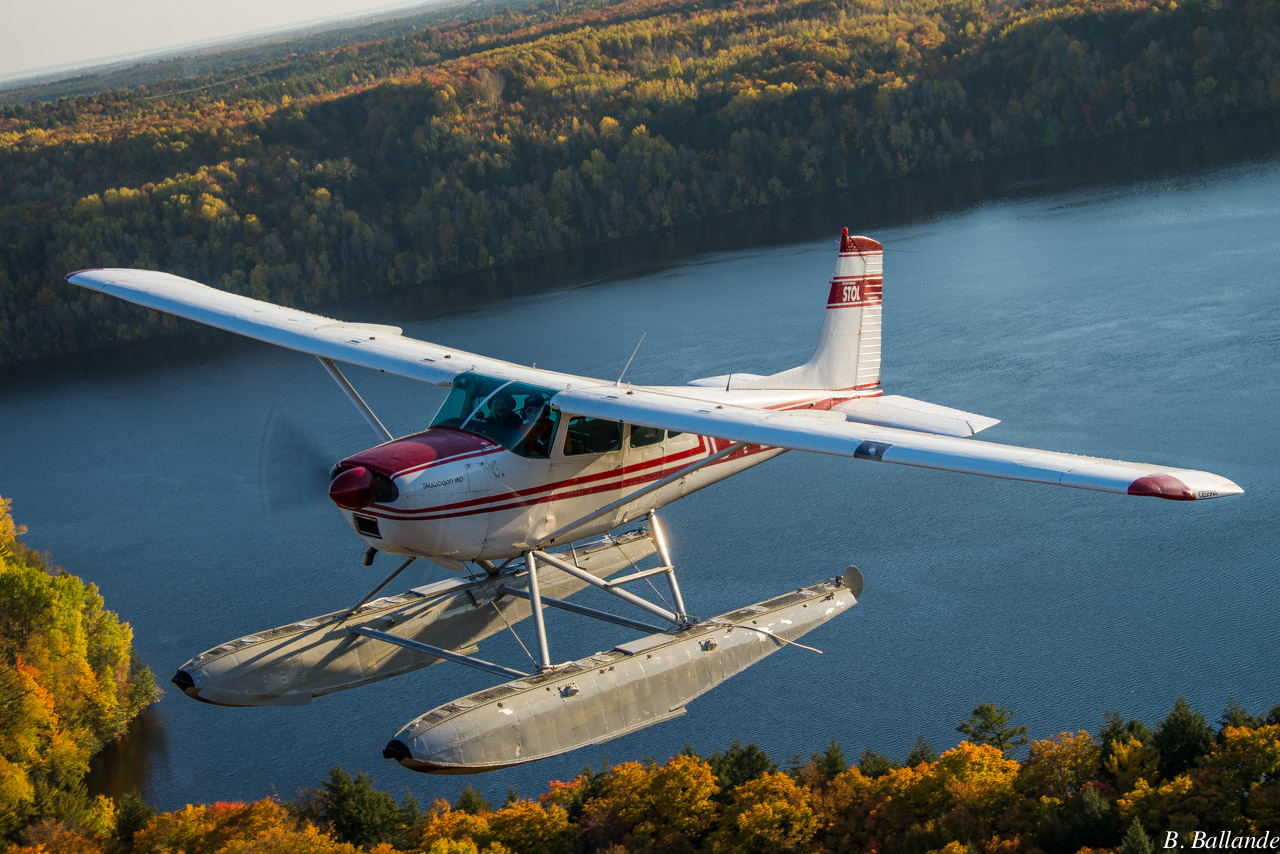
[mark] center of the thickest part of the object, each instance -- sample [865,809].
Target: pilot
[502,412]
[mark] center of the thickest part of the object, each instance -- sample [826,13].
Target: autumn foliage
[392,164]
[1059,799]
[68,684]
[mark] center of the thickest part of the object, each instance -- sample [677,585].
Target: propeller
[293,465]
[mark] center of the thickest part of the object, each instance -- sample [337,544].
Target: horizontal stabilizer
[897,411]
[727,381]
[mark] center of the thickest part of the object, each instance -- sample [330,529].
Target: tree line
[1121,790]
[396,162]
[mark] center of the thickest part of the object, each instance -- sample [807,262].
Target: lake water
[1139,320]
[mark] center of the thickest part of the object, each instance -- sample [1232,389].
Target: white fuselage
[473,499]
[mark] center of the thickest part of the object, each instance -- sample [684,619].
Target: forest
[1121,790]
[394,163]
[69,684]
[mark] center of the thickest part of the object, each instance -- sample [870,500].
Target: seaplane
[520,487]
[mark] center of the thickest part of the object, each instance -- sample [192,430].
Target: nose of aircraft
[370,476]
[352,488]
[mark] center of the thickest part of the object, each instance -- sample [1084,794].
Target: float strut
[584,611]
[660,539]
[674,619]
[374,591]
[535,600]
[439,652]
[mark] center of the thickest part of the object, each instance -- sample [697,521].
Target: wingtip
[1185,486]
[94,278]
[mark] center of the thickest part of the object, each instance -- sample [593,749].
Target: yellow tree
[646,806]
[769,813]
[532,829]
[1131,761]
[1058,767]
[978,782]
[446,827]
[205,829]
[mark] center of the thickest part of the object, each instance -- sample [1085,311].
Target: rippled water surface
[1140,321]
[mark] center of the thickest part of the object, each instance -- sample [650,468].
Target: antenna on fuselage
[633,355]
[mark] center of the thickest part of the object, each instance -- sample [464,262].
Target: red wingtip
[1162,486]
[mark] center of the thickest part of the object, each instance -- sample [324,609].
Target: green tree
[1182,737]
[472,801]
[358,813]
[922,751]
[830,762]
[1136,840]
[1235,715]
[739,764]
[132,814]
[1115,728]
[874,764]
[1093,823]
[991,725]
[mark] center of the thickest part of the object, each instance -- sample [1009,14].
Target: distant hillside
[391,163]
[214,60]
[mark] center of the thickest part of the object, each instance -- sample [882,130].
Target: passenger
[537,427]
[502,412]
[532,408]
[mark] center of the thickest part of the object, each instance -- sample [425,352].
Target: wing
[830,433]
[381,348]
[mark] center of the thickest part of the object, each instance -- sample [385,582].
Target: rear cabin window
[643,437]
[592,436]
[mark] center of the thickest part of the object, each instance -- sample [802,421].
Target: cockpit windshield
[517,416]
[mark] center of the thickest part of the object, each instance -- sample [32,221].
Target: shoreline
[1131,157]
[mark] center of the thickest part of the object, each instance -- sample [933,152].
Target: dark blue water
[1139,321]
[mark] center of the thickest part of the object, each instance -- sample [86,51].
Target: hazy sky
[44,34]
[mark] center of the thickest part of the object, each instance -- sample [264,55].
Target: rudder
[848,351]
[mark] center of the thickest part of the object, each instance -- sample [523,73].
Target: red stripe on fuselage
[394,513]
[563,494]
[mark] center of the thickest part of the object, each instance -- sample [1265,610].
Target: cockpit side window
[515,415]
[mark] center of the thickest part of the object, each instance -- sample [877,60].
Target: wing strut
[356,399]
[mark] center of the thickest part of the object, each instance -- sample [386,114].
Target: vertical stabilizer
[848,352]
